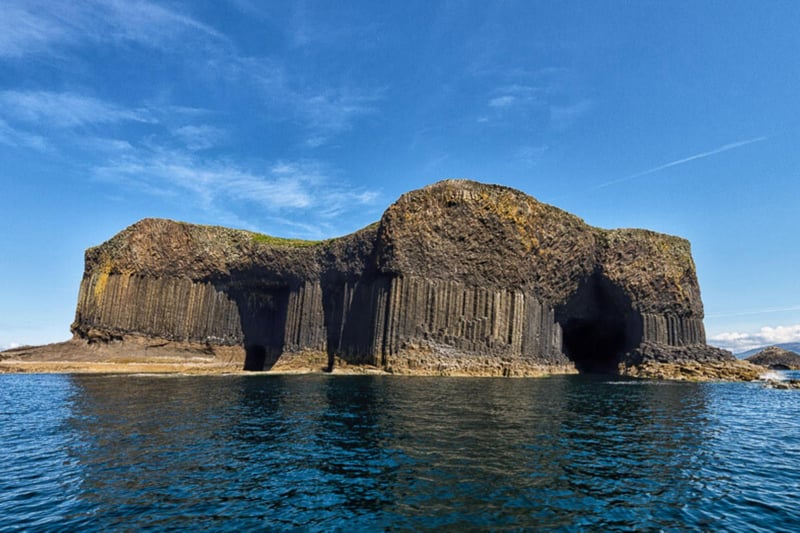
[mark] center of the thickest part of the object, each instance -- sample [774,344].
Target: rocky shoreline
[142,355]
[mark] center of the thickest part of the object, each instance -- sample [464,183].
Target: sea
[389,453]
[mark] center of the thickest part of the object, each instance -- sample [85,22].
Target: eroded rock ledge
[456,278]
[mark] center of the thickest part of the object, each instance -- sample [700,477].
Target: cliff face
[458,277]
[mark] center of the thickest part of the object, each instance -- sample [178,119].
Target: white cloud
[741,342]
[148,23]
[19,138]
[175,173]
[9,346]
[23,29]
[156,165]
[66,109]
[503,101]
[200,137]
[515,95]
[45,28]
[298,187]
[537,102]
[30,27]
[104,146]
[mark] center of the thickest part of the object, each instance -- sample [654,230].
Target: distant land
[791,346]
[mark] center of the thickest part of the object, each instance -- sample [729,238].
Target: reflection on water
[375,452]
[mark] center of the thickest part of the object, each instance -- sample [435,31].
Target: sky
[307,119]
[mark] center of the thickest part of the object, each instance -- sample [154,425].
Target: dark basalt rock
[776,358]
[456,278]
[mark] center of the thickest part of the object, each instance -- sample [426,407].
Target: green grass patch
[279,241]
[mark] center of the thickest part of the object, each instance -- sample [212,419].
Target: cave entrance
[594,345]
[598,325]
[255,357]
[262,314]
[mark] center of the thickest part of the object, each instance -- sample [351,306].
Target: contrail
[756,312]
[701,155]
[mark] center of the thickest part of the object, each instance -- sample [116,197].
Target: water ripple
[369,453]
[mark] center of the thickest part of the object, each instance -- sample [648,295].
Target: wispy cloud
[741,342]
[66,109]
[33,27]
[543,102]
[509,96]
[170,172]
[200,137]
[170,161]
[562,117]
[25,30]
[302,188]
[332,111]
[307,27]
[531,155]
[322,112]
[506,100]
[701,155]
[147,22]
[19,138]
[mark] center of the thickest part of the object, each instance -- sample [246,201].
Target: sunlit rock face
[456,278]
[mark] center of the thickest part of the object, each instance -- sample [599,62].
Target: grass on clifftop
[280,241]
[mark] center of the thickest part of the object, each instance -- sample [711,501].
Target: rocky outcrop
[456,278]
[776,358]
[792,384]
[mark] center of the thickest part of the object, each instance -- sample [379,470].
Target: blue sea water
[365,453]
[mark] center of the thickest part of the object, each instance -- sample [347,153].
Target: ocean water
[366,453]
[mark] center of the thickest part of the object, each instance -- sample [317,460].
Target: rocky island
[776,358]
[457,278]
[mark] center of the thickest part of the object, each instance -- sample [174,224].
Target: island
[457,278]
[776,358]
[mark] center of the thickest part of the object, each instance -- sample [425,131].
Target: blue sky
[307,119]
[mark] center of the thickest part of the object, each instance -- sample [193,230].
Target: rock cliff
[456,278]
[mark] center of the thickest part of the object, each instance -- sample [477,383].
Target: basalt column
[355,314]
[446,325]
[178,309]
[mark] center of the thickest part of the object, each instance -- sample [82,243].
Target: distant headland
[457,278]
[776,358]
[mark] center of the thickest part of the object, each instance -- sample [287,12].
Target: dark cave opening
[599,326]
[255,357]
[262,311]
[595,346]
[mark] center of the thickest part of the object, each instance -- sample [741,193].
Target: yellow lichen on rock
[102,280]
